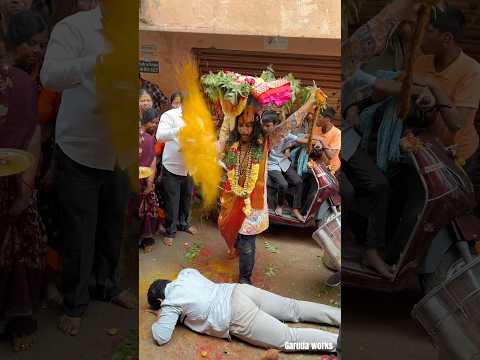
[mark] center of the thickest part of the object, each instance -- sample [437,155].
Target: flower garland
[234,173]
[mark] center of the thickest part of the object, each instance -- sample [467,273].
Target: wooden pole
[311,127]
[423,19]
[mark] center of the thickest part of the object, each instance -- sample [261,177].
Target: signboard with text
[149,67]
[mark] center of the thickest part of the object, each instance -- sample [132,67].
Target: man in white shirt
[177,185]
[244,311]
[91,188]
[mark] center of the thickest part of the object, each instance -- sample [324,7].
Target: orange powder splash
[198,137]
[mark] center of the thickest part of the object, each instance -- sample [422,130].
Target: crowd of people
[257,145]
[169,186]
[61,220]
[375,141]
[287,164]
[169,181]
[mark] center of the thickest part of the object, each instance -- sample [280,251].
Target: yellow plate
[14,161]
[144,172]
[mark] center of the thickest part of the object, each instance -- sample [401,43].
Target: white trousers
[257,317]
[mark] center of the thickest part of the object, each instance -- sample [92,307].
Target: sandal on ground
[22,332]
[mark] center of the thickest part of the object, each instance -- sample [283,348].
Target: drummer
[329,137]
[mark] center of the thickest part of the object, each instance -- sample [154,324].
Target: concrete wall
[168,47]
[287,18]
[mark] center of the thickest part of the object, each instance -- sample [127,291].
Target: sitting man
[454,80]
[281,173]
[329,137]
[244,311]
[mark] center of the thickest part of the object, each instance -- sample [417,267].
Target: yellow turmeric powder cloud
[198,137]
[117,82]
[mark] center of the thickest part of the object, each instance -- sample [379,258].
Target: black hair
[144,92]
[451,20]
[23,26]
[176,94]
[156,293]
[257,132]
[148,116]
[328,112]
[269,116]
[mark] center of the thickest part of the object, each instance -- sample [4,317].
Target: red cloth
[159,146]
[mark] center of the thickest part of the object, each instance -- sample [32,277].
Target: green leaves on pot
[217,84]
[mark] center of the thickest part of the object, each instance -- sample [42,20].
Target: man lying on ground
[244,311]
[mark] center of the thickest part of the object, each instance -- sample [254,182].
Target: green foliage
[193,252]
[269,74]
[220,83]
[270,247]
[270,271]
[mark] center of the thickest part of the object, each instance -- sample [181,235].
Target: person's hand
[322,143]
[424,80]
[287,152]
[426,100]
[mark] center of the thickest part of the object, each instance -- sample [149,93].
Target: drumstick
[311,127]
[422,21]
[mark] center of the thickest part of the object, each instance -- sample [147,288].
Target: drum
[329,238]
[450,314]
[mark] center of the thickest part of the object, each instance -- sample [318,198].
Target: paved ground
[298,270]
[94,341]
[379,327]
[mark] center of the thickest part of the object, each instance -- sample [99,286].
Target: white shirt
[169,126]
[69,67]
[202,305]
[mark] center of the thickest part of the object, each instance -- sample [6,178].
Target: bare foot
[279,211]
[147,249]
[232,254]
[22,331]
[192,230]
[168,241]
[70,325]
[374,260]
[297,214]
[126,300]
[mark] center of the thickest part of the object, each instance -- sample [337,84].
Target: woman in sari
[145,102]
[244,209]
[22,235]
[27,39]
[148,208]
